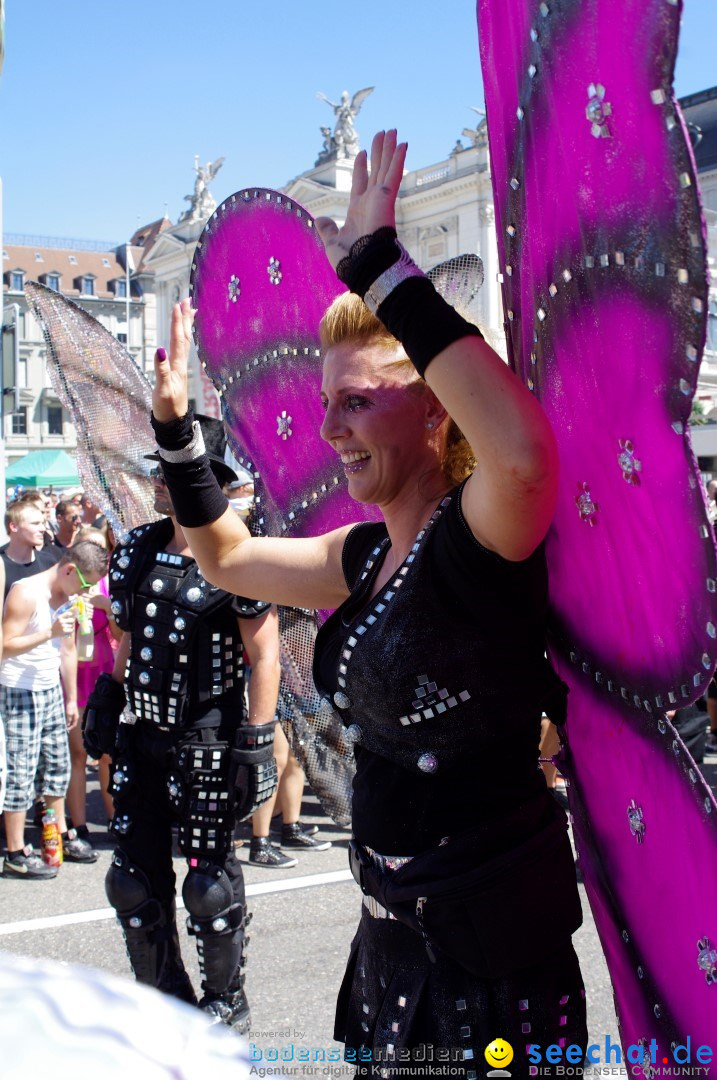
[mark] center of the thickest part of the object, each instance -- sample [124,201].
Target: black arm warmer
[413,312]
[423,321]
[196,496]
[173,434]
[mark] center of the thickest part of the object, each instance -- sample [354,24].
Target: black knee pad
[128,891]
[207,892]
[127,886]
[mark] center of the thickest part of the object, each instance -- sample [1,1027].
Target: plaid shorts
[36,744]
[3,768]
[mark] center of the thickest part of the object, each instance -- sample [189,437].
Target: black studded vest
[187,652]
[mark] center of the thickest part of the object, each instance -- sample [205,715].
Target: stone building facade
[700,113]
[443,209]
[94,276]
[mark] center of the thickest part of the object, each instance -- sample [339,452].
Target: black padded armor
[185,686]
[150,930]
[101,718]
[179,623]
[218,921]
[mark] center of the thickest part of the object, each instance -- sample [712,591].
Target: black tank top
[442,678]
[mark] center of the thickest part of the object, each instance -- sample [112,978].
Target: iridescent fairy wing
[602,254]
[459,281]
[260,283]
[109,402]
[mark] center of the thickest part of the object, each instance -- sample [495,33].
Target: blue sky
[104,105]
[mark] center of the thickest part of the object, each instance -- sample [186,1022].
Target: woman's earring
[429,425]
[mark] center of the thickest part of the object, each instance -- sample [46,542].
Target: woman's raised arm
[510,499]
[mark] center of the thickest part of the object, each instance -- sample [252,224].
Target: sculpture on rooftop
[202,202]
[479,134]
[343,141]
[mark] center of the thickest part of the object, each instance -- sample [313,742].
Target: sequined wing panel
[602,256]
[260,283]
[109,402]
[644,827]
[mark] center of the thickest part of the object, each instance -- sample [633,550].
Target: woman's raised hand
[169,397]
[373,197]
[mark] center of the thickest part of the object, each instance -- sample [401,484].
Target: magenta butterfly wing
[261,282]
[602,254]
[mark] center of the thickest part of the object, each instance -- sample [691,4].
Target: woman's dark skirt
[400,1015]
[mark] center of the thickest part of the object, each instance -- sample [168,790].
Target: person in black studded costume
[186,753]
[434,656]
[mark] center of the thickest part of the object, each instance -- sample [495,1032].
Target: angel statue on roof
[202,202]
[345,138]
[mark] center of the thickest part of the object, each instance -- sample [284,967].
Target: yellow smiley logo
[499,1053]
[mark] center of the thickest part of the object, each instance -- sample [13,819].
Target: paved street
[303,923]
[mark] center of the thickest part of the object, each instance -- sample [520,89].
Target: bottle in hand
[85,629]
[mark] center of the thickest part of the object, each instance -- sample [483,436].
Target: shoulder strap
[128,564]
[357,546]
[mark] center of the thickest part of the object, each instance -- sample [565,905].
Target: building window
[54,420]
[53,282]
[105,262]
[16,280]
[19,421]
[711,342]
[122,338]
[88,286]
[120,287]
[22,373]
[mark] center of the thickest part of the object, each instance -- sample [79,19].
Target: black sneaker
[262,853]
[294,836]
[74,849]
[277,825]
[231,1008]
[28,864]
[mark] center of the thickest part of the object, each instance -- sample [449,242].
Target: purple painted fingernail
[161,353]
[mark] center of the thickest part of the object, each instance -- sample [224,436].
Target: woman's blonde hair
[349,320]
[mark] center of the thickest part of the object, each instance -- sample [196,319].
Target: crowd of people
[194,673]
[54,553]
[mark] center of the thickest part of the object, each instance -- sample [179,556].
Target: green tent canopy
[42,469]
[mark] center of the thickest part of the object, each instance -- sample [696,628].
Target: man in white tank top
[39,647]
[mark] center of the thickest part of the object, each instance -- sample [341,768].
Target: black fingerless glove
[368,258]
[101,718]
[252,770]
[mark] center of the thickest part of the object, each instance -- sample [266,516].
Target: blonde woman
[434,656]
